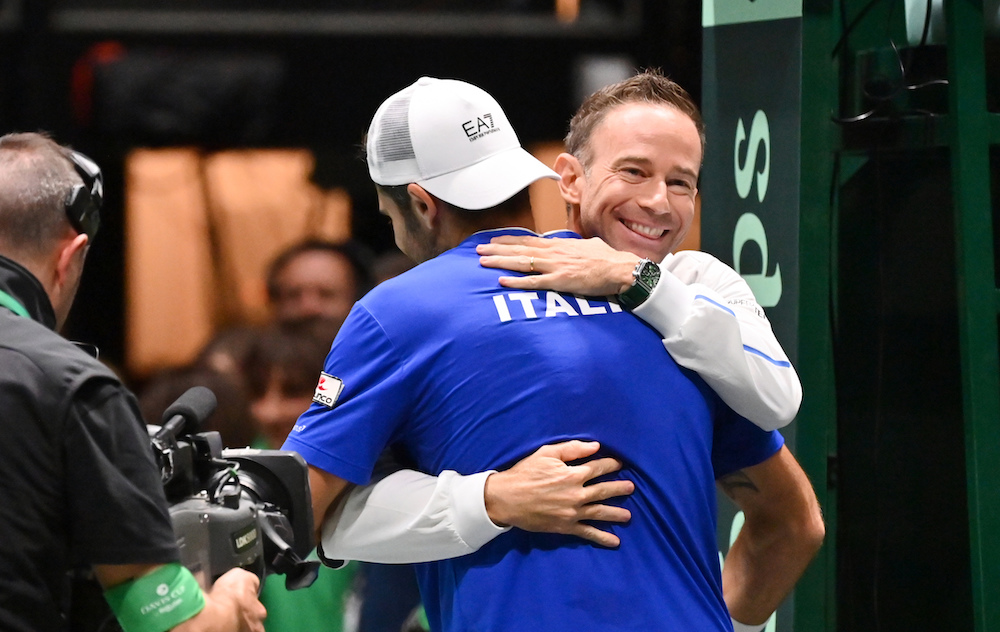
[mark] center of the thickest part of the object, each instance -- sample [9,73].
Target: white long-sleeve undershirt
[710,323]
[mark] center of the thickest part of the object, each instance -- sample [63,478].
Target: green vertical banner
[751,102]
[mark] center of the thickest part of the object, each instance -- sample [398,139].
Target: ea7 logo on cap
[480,127]
[328,390]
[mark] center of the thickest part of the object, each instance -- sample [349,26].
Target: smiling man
[634,183]
[629,179]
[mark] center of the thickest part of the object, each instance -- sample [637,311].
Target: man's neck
[458,231]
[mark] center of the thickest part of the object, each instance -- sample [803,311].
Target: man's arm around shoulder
[413,517]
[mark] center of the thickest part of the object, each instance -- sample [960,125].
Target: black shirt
[78,483]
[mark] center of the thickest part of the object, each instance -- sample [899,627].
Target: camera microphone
[187,414]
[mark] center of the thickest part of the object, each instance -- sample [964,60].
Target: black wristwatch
[644,279]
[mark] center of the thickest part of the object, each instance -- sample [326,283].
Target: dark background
[109,75]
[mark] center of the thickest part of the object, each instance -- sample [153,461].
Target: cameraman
[78,485]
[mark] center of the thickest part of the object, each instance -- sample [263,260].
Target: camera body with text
[231,508]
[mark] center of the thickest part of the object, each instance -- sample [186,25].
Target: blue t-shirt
[460,373]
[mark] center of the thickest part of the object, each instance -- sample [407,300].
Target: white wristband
[743,627]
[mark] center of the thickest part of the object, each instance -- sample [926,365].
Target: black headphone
[83,204]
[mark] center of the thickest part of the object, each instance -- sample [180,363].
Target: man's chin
[652,249]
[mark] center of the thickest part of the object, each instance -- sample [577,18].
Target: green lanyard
[13,305]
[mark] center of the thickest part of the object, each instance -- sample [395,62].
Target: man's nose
[654,197]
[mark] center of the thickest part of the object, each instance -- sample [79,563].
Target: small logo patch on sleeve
[328,390]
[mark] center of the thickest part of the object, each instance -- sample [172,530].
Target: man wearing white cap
[460,374]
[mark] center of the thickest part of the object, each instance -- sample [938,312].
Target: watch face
[649,274]
[646,275]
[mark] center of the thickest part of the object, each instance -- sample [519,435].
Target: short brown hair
[649,86]
[481,219]
[295,354]
[36,176]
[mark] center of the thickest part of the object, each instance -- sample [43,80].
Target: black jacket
[78,483]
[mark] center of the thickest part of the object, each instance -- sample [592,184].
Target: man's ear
[69,260]
[426,207]
[571,181]
[571,177]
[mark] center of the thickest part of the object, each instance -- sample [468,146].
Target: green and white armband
[158,601]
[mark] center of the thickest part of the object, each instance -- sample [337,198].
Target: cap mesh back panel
[393,142]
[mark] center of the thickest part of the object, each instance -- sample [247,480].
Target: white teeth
[645,230]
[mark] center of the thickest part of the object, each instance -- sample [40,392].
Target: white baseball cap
[451,138]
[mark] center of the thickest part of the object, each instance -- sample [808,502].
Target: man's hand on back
[588,267]
[543,493]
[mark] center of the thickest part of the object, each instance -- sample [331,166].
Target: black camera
[232,508]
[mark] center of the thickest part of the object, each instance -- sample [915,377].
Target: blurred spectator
[282,368]
[316,278]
